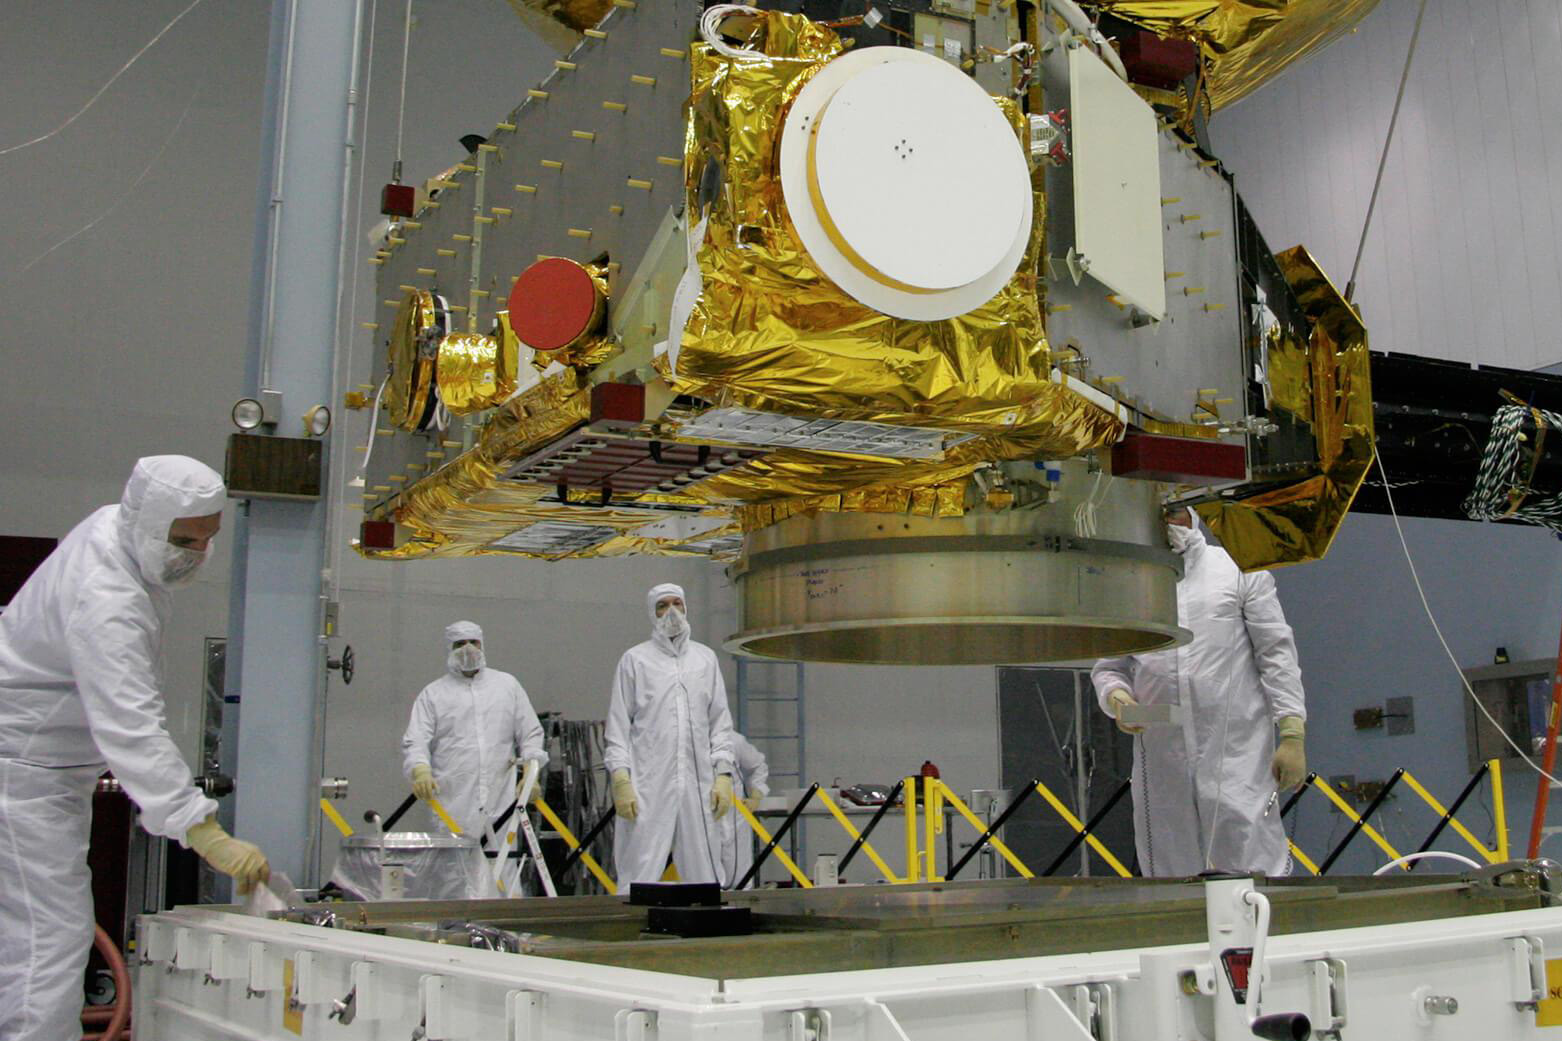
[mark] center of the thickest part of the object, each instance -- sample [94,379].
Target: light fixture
[317,421]
[248,414]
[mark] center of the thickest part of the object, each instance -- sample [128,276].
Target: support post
[276,610]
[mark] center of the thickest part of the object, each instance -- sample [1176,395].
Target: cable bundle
[1502,484]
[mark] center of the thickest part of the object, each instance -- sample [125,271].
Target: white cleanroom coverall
[751,780]
[81,690]
[471,731]
[668,725]
[1206,783]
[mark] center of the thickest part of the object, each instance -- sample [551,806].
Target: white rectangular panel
[1117,184]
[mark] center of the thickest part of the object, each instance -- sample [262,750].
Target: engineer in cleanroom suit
[751,783]
[468,730]
[669,751]
[80,690]
[1205,789]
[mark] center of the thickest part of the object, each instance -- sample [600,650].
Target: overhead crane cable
[1377,184]
[401,111]
[107,84]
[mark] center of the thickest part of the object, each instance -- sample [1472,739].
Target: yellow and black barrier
[1360,822]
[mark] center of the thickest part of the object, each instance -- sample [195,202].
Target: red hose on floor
[116,1015]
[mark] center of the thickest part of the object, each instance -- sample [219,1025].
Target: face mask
[672,624]
[180,564]
[466,658]
[1179,537]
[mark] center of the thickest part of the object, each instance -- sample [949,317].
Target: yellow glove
[423,785]
[241,861]
[1115,701]
[624,800]
[721,796]
[752,802]
[1290,762]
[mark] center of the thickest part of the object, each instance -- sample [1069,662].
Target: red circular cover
[552,304]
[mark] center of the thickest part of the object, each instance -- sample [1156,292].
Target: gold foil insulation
[1245,43]
[419,322]
[1327,382]
[773,334]
[475,372]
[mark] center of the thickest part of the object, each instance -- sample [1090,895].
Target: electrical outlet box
[1400,714]
[1366,791]
[261,466]
[1369,718]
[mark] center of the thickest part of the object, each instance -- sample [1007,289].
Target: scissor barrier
[925,798]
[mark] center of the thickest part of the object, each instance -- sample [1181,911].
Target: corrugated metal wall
[1465,255]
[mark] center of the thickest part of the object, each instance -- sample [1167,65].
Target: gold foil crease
[475,372]
[411,370]
[770,332]
[1296,521]
[1245,43]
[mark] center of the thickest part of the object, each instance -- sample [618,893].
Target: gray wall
[1463,258]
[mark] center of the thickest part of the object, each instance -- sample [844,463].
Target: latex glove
[1290,762]
[532,767]
[1115,701]
[241,861]
[624,799]
[721,796]
[423,785]
[752,802]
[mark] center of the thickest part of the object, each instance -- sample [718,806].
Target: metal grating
[720,546]
[624,466]
[554,538]
[747,427]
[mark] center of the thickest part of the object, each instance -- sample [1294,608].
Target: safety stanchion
[859,841]
[913,855]
[930,816]
[577,848]
[770,843]
[1499,810]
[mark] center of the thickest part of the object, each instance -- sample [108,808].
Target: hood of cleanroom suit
[466,658]
[672,642]
[470,732]
[162,489]
[669,726]
[81,689]
[1204,783]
